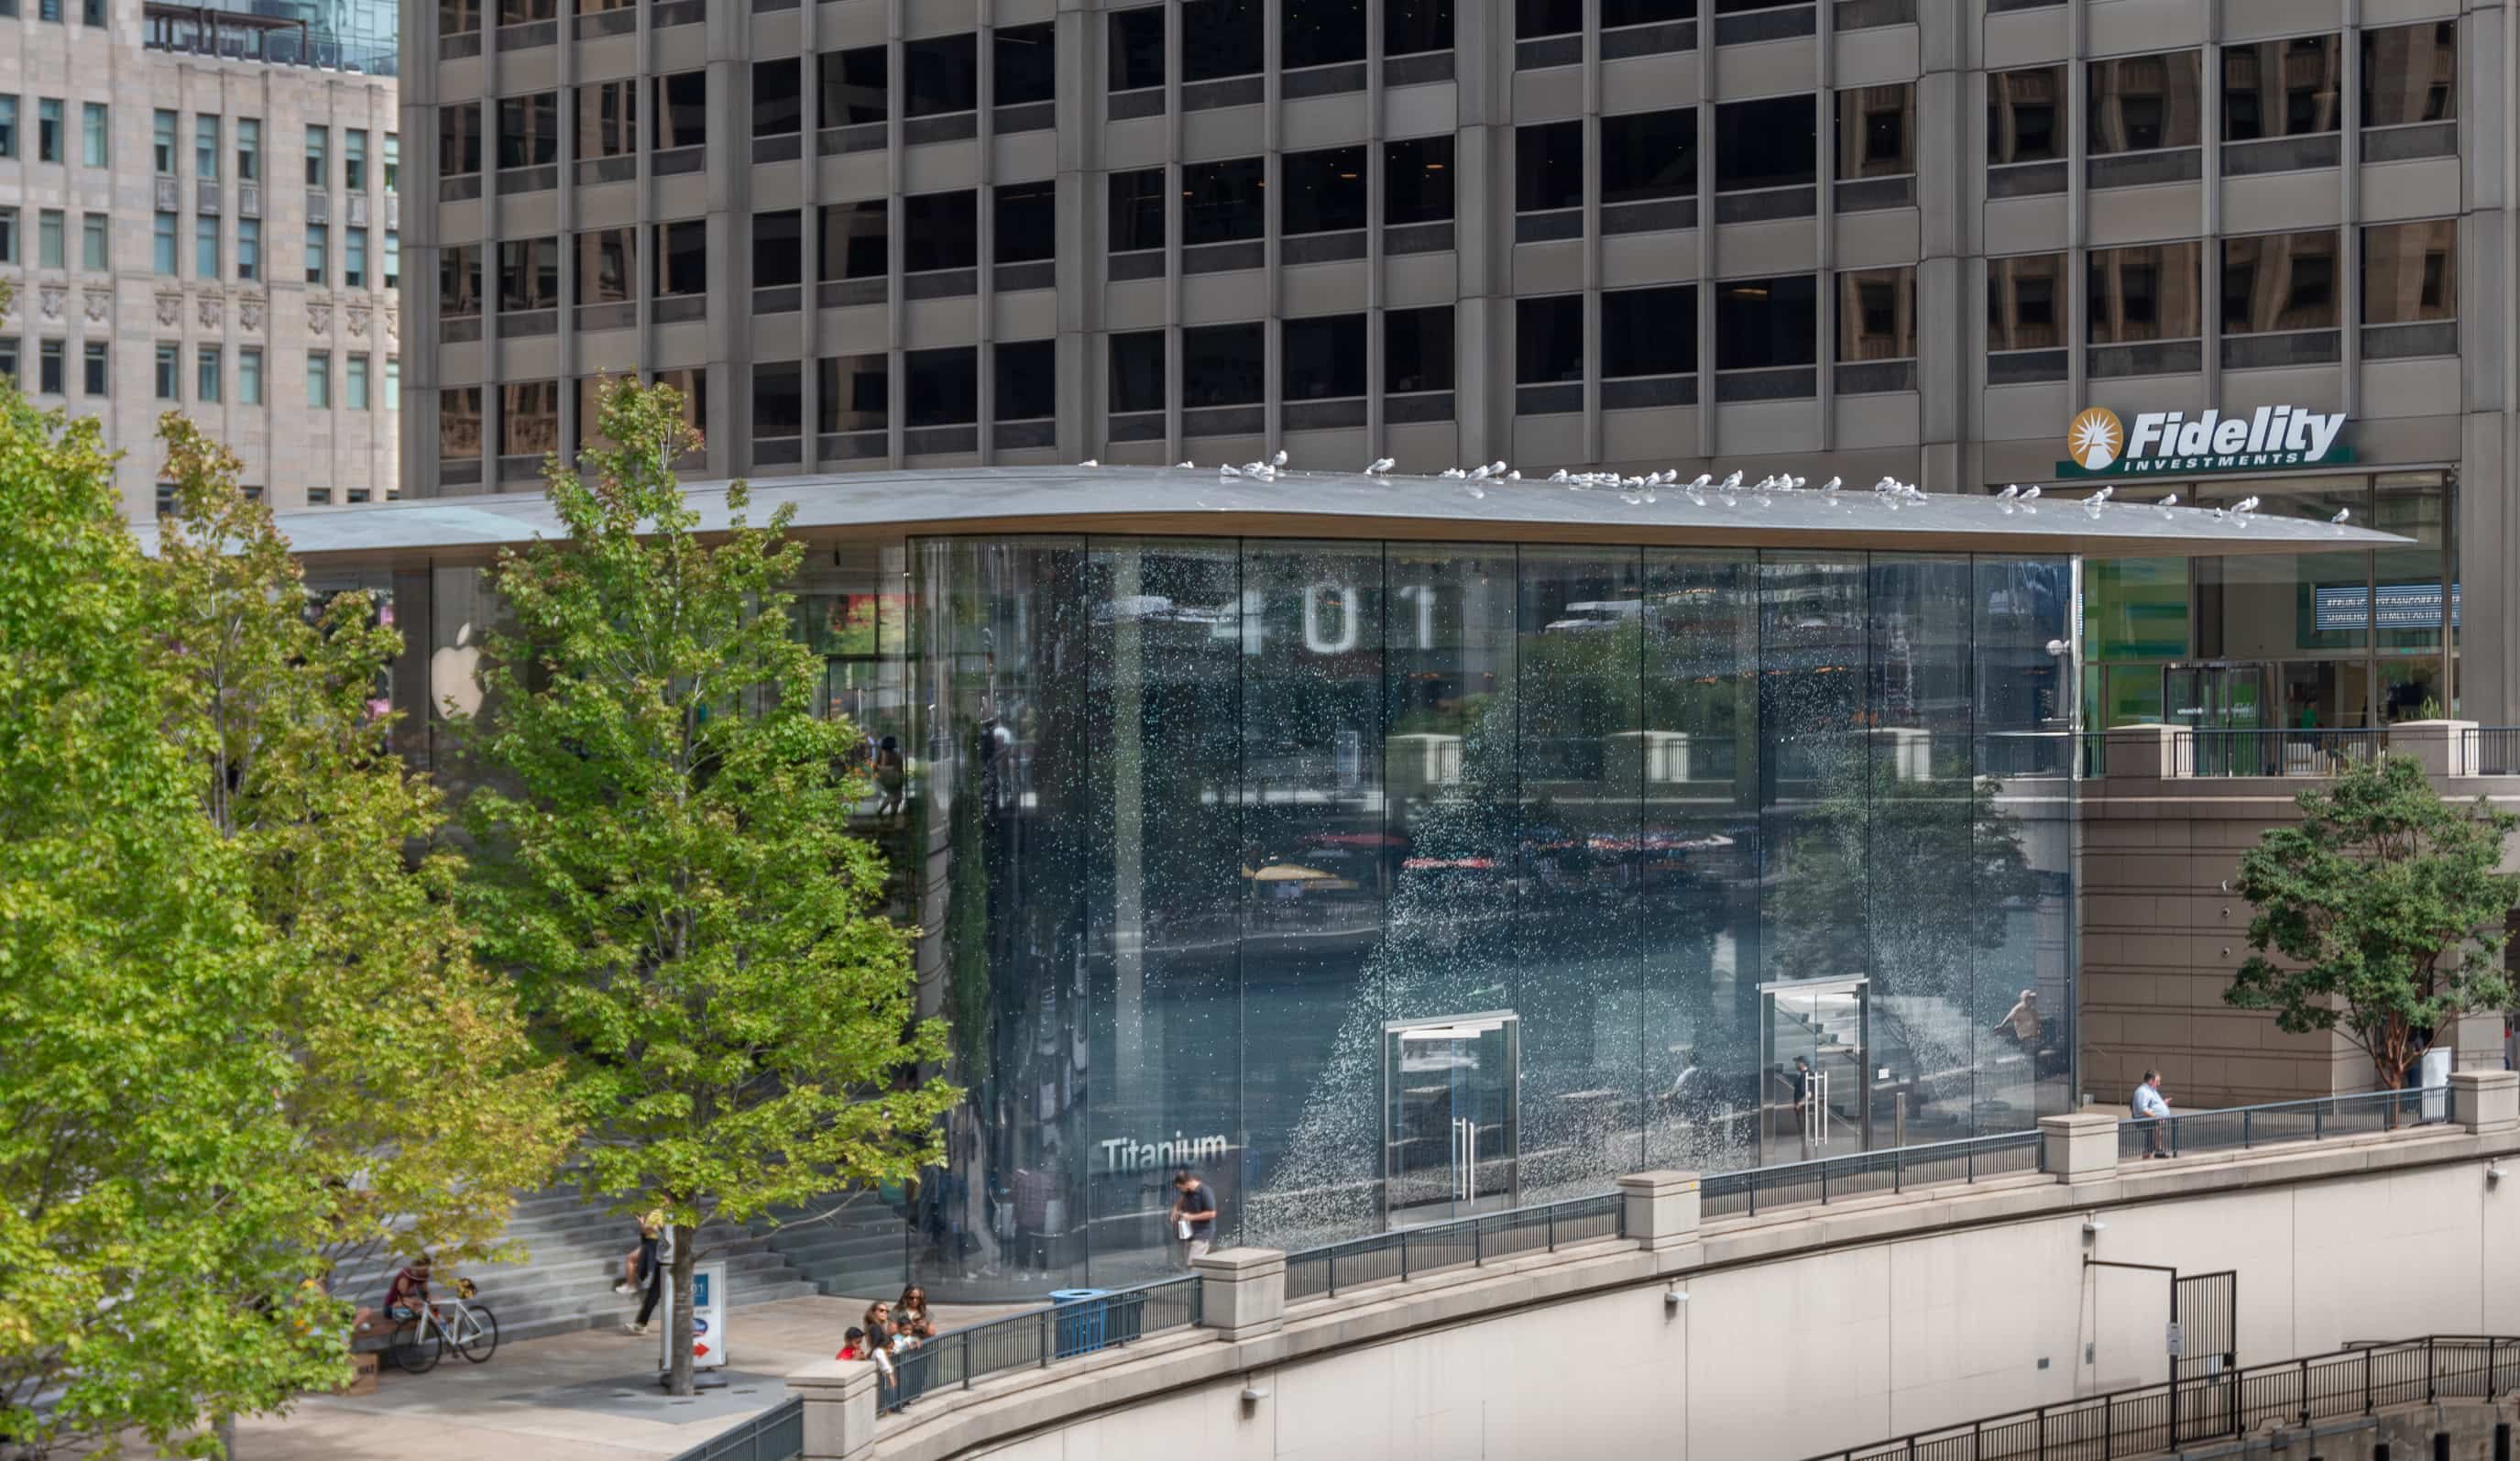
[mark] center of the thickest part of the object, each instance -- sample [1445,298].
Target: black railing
[2150,1419]
[777,1434]
[2241,1128]
[2494,751]
[2279,753]
[1890,1169]
[1465,1242]
[956,1358]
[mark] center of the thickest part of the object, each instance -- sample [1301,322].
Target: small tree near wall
[2379,914]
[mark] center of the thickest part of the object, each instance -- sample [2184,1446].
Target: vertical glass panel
[1814,766]
[2279,606]
[1161,711]
[2406,612]
[1314,866]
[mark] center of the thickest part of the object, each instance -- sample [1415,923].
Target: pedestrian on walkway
[646,1266]
[2152,1109]
[1193,1214]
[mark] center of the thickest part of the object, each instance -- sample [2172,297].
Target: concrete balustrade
[2080,1146]
[1242,1291]
[2445,747]
[2486,1100]
[839,1398]
[2149,753]
[1661,1208]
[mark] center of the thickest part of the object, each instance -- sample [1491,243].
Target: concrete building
[191,224]
[1853,238]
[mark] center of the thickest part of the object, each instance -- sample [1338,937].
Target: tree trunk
[678,1329]
[224,1428]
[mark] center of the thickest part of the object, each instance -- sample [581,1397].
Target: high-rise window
[2145,103]
[459,17]
[1219,38]
[2148,292]
[1136,210]
[946,227]
[1417,180]
[205,374]
[162,244]
[2278,282]
[1766,324]
[2410,272]
[607,120]
[1137,371]
[1877,315]
[50,245]
[1321,358]
[458,281]
[249,150]
[459,139]
[9,360]
[1547,340]
[8,126]
[161,141]
[248,257]
[940,75]
[47,129]
[1222,201]
[855,240]
[1136,49]
[319,246]
[354,259]
[1320,33]
[1877,131]
[682,260]
[394,258]
[1027,222]
[778,99]
[319,380]
[778,248]
[2024,122]
[96,249]
[603,265]
[51,371]
[2411,73]
[2283,88]
[1023,64]
[96,363]
[354,382]
[1650,154]
[682,110]
[95,141]
[2025,302]
[529,274]
[853,394]
[354,159]
[1410,26]
[9,245]
[319,150]
[778,399]
[853,87]
[1224,365]
[1650,331]
[393,382]
[1770,143]
[206,249]
[1547,167]
[529,131]
[1417,349]
[250,375]
[394,162]
[1322,192]
[205,146]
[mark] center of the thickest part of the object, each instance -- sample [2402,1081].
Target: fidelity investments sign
[2099,445]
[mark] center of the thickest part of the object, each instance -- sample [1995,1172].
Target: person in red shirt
[408,1298]
[854,1346]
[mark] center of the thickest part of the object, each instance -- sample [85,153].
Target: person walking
[1193,1214]
[2153,1109]
[646,1268]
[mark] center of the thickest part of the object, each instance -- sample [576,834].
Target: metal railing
[2494,751]
[2241,1128]
[2151,1419]
[777,1434]
[2279,753]
[1890,1169]
[1035,1339]
[1465,1242]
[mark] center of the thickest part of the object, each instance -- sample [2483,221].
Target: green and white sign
[2099,445]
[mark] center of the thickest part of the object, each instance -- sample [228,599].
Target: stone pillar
[839,1398]
[1243,1292]
[1662,1208]
[2486,1100]
[2080,1146]
[2447,747]
[2149,753]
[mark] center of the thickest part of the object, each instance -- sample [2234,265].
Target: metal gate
[2204,1365]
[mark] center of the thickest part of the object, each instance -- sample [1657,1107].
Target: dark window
[454,17]
[1417,180]
[1222,365]
[1877,131]
[1770,142]
[1137,371]
[2144,103]
[1026,63]
[1617,12]
[2143,292]
[459,139]
[852,394]
[607,120]
[777,247]
[529,129]
[1027,222]
[1322,192]
[682,109]
[1219,38]
[778,399]
[2281,89]
[2410,272]
[529,274]
[1410,26]
[1321,359]
[458,281]
[1549,339]
[2025,302]
[2021,115]
[1417,349]
[2286,281]
[853,87]
[1321,32]
[940,231]
[1025,373]
[1136,210]
[943,385]
[1548,167]
[681,259]
[604,263]
[2411,73]
[854,243]
[1650,331]
[1650,154]
[1547,17]
[778,97]
[1222,201]
[1137,48]
[1764,323]
[939,76]
[1876,314]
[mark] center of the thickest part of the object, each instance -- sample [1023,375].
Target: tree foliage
[157,1233]
[667,871]
[421,1104]
[2384,912]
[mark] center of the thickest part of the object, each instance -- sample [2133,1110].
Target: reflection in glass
[2410,272]
[2140,103]
[2023,120]
[2285,281]
[1877,131]
[2025,302]
[2281,89]
[2411,73]
[2145,291]
[1877,313]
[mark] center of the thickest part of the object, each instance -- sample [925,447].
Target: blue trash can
[1082,1322]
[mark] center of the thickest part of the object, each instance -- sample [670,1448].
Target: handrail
[1036,1338]
[2148,1419]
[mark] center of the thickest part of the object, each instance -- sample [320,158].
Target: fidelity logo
[2098,445]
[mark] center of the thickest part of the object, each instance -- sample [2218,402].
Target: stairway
[863,1249]
[573,1250]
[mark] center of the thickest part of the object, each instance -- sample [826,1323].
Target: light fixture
[2494,1174]
[1674,1297]
[1252,1396]
[2092,1227]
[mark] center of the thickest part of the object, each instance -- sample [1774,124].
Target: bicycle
[470,1330]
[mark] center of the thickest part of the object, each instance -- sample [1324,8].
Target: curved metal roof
[1189,501]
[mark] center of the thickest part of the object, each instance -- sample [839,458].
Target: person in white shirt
[2150,1106]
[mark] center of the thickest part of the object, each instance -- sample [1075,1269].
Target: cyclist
[408,1298]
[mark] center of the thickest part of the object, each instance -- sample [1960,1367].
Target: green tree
[2384,913]
[666,868]
[157,1233]
[421,1104]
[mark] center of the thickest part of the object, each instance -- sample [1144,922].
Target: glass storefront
[1379,882]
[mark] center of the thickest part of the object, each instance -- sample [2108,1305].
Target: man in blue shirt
[2152,1107]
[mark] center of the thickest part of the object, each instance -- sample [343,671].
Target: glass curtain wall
[1382,882]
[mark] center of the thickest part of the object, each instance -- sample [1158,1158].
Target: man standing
[2153,1109]
[1194,1214]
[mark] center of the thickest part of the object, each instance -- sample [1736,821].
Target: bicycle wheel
[477,1333]
[415,1347]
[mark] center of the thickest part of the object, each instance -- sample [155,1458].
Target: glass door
[1816,1100]
[1451,1096]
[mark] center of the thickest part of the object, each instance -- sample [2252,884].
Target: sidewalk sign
[707,1328]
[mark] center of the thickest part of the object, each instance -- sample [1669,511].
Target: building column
[2149,753]
[1242,1292]
[839,1397]
[2486,1100]
[1661,1208]
[2079,1147]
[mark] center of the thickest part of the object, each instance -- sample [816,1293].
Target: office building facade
[191,226]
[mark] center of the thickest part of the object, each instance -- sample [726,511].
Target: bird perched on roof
[1089,462]
[1280,460]
[1379,466]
